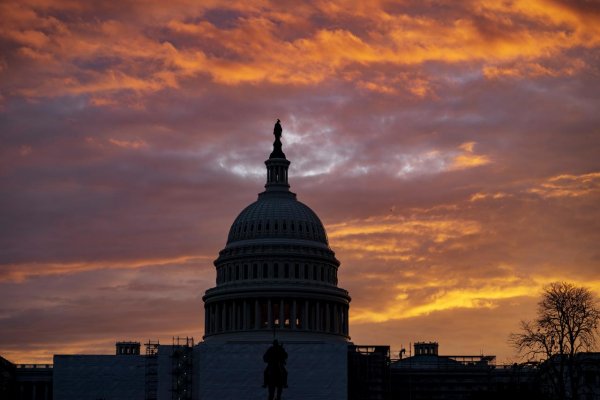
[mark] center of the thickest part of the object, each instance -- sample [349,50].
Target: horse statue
[275,375]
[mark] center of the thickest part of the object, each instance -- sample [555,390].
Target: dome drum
[255,249]
[281,270]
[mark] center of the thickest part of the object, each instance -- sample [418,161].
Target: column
[224,311]
[232,316]
[281,314]
[270,314]
[318,316]
[236,315]
[327,317]
[306,316]
[346,317]
[293,316]
[206,319]
[221,316]
[207,327]
[244,315]
[215,317]
[257,317]
[208,311]
[229,318]
[247,315]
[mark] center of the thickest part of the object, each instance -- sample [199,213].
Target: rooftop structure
[127,348]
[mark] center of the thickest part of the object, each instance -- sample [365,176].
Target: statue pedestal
[234,370]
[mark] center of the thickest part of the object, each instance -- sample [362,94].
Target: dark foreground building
[428,375]
[167,372]
[25,381]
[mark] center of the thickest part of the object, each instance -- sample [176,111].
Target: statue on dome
[277,152]
[275,375]
[277,130]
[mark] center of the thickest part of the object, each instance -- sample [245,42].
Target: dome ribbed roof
[277,216]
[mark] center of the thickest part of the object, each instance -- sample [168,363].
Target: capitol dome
[277,216]
[277,274]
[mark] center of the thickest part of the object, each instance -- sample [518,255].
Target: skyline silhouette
[451,152]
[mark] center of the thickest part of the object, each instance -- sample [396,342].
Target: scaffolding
[182,368]
[151,363]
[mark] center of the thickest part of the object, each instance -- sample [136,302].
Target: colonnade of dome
[269,313]
[234,273]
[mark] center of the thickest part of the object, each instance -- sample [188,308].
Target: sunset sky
[451,148]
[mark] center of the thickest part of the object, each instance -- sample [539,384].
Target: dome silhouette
[277,272]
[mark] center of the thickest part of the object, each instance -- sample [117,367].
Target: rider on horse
[275,374]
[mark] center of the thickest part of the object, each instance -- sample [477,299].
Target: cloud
[135,144]
[468,159]
[24,271]
[158,50]
[451,152]
[567,185]
[71,322]
[392,237]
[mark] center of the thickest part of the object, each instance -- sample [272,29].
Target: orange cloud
[129,144]
[23,271]
[567,185]
[468,159]
[482,196]
[397,238]
[448,295]
[506,39]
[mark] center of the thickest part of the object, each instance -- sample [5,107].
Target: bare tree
[566,324]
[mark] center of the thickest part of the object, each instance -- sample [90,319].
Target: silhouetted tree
[566,324]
